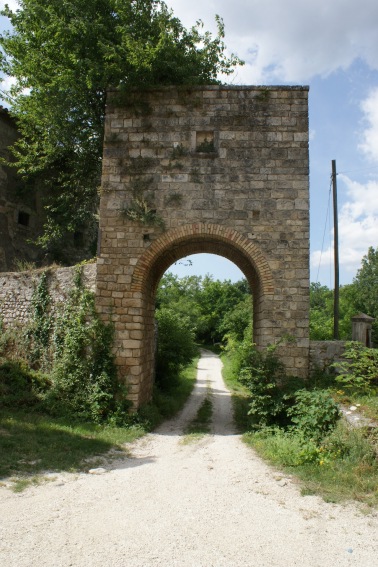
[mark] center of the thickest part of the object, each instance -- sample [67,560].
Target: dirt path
[211,503]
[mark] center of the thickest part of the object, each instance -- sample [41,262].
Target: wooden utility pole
[336,255]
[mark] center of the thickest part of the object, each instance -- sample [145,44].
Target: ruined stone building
[22,216]
[20,212]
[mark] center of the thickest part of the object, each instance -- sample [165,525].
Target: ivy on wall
[73,346]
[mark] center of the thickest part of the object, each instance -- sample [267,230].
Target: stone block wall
[16,290]
[324,353]
[216,169]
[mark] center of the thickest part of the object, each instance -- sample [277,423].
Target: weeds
[140,211]
[200,425]
[299,429]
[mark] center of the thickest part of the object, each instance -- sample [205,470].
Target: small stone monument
[361,329]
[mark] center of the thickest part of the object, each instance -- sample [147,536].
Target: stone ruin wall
[16,291]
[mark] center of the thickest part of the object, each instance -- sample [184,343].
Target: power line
[325,227]
[358,170]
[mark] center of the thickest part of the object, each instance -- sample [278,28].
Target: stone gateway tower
[217,169]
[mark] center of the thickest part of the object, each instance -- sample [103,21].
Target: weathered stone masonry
[226,170]
[16,291]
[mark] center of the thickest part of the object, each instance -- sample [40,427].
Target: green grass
[168,401]
[201,424]
[240,395]
[32,443]
[349,471]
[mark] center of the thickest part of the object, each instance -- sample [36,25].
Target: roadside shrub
[83,377]
[352,444]
[175,345]
[359,369]
[20,386]
[314,413]
[270,388]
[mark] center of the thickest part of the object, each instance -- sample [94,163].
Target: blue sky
[332,46]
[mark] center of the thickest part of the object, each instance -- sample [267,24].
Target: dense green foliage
[215,310]
[71,354]
[63,56]
[278,399]
[314,413]
[321,312]
[176,346]
[358,369]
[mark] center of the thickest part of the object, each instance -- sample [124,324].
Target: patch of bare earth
[212,503]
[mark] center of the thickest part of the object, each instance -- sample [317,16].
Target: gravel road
[211,503]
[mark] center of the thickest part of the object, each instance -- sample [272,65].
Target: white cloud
[358,226]
[291,40]
[13,4]
[369,107]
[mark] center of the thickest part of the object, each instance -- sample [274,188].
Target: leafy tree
[218,299]
[321,311]
[182,295]
[366,287]
[176,346]
[214,308]
[63,56]
[237,320]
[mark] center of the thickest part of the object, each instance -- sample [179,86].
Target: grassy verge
[32,443]
[166,403]
[346,468]
[240,395]
[201,424]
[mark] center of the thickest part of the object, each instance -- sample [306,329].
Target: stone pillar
[361,329]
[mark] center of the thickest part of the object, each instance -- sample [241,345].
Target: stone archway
[192,239]
[213,169]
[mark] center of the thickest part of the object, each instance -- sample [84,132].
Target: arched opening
[179,243]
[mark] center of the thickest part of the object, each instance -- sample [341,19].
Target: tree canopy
[366,285]
[63,55]
[213,309]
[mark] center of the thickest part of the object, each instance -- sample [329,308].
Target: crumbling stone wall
[16,290]
[324,353]
[215,169]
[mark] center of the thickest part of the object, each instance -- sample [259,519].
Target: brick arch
[203,238]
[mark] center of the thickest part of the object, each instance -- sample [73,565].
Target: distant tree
[176,346]
[218,300]
[237,320]
[321,312]
[181,295]
[63,56]
[366,288]
[213,308]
